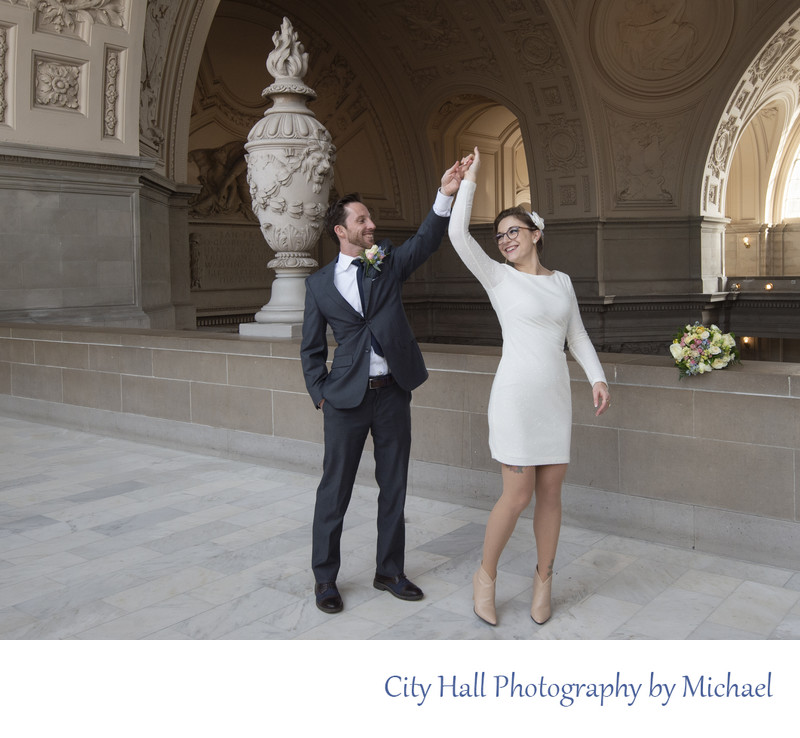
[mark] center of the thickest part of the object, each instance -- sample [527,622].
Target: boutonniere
[372,257]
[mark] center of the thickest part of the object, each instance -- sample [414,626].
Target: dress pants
[386,413]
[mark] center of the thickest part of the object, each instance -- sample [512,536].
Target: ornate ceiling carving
[658,47]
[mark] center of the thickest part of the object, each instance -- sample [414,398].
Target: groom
[376,364]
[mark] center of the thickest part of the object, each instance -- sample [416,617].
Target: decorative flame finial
[288,64]
[289,59]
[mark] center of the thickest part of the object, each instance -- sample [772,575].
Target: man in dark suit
[376,364]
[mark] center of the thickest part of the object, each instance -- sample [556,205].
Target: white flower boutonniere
[372,257]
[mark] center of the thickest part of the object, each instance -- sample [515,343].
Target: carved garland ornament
[313,166]
[65,14]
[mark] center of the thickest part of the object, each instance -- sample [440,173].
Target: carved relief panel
[222,174]
[658,47]
[564,148]
[65,43]
[159,22]
[537,49]
[647,153]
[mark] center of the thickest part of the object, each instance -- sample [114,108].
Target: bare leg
[547,515]
[518,484]
[546,527]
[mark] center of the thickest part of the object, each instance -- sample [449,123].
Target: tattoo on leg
[515,469]
[550,569]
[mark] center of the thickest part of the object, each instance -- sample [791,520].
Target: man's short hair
[337,214]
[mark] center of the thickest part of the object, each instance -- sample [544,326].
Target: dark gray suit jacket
[346,383]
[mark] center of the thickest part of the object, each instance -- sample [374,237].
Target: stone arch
[773,71]
[170,64]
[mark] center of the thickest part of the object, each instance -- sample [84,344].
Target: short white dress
[530,407]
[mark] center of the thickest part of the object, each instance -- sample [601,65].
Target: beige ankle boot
[483,595]
[540,608]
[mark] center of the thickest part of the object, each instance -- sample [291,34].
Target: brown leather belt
[382,381]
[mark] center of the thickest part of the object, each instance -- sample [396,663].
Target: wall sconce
[746,340]
[746,242]
[737,285]
[768,286]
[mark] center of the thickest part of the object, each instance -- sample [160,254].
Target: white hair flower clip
[537,219]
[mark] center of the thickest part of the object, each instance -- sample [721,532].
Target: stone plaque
[228,258]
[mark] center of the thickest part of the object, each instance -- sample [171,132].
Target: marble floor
[103,538]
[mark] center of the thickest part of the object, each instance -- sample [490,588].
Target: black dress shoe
[399,586]
[328,598]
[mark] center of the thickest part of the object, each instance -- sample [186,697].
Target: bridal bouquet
[698,349]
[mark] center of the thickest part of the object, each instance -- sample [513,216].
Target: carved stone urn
[290,161]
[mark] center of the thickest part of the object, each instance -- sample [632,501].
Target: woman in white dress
[530,412]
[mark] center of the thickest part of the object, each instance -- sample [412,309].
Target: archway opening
[762,238]
[462,311]
[467,121]
[751,187]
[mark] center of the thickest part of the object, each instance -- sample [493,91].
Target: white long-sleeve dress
[530,408]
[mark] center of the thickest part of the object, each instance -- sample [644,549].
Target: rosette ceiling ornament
[290,160]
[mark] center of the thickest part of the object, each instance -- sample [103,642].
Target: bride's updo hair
[528,219]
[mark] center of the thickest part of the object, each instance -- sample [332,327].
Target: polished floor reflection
[104,538]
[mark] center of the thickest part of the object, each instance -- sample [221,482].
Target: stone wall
[70,249]
[709,462]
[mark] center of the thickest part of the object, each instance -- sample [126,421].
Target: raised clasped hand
[472,164]
[451,180]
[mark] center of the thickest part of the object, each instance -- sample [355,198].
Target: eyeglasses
[512,233]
